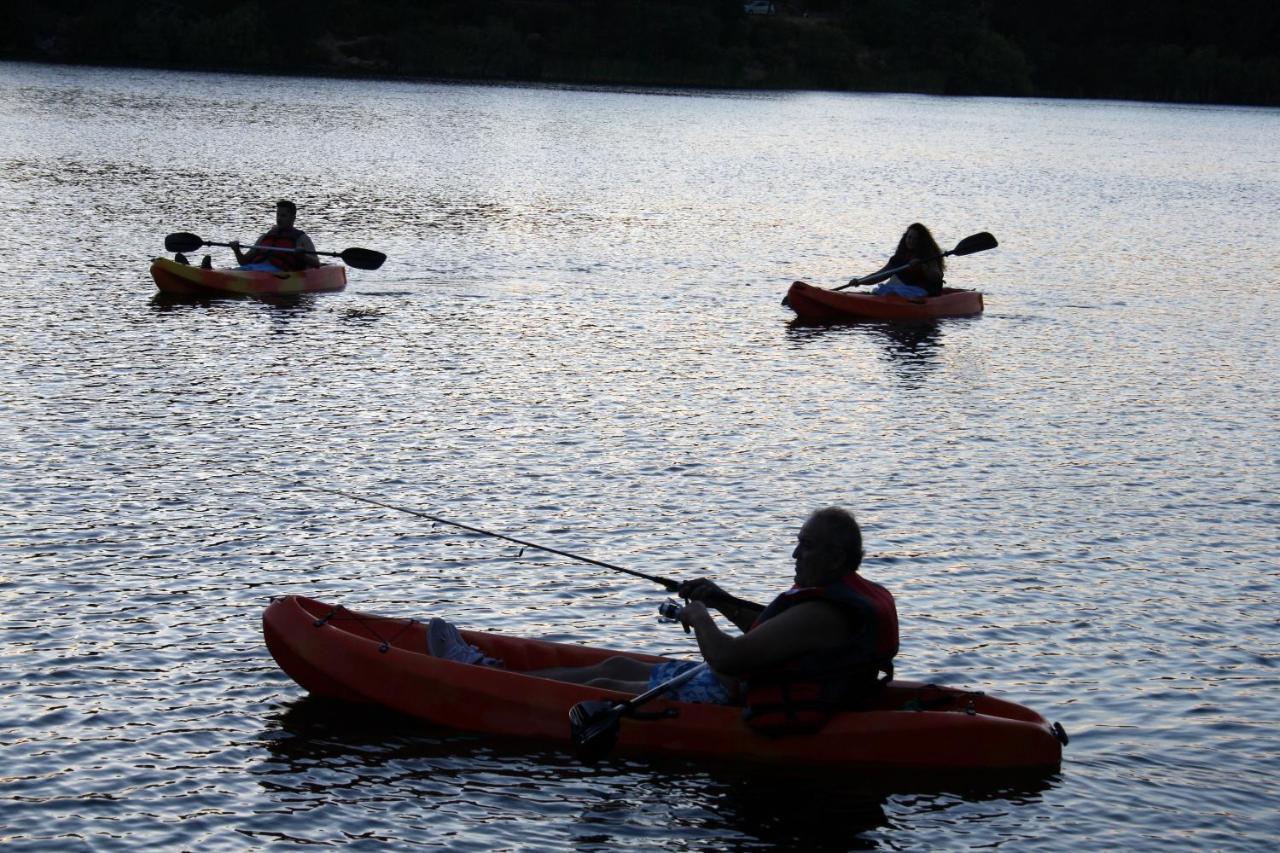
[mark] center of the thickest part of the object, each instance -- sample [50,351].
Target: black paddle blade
[594,727]
[364,259]
[979,242]
[183,241]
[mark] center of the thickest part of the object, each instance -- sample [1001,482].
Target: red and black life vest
[281,237]
[801,695]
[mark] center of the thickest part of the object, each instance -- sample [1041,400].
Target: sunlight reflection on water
[578,341]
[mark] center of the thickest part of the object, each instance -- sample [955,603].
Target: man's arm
[253,255]
[309,256]
[806,627]
[740,612]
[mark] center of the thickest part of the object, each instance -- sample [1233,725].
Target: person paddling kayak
[923,276]
[282,236]
[826,643]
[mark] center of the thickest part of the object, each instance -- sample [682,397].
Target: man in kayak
[282,236]
[827,642]
[919,252]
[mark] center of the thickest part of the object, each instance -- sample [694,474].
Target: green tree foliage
[1178,50]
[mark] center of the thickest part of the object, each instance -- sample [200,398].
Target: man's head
[830,544]
[286,213]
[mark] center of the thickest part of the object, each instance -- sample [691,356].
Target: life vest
[804,693]
[282,238]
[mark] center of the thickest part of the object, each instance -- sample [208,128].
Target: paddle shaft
[858,281]
[275,249]
[365,259]
[594,725]
[654,692]
[886,273]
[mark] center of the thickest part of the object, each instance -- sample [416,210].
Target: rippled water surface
[578,340]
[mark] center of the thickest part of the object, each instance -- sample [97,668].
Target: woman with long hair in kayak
[919,252]
[824,642]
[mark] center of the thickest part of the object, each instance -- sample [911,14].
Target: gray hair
[838,523]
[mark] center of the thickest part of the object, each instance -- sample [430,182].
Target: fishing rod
[667,583]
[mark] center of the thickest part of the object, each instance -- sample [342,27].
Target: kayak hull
[338,653]
[818,305]
[177,279]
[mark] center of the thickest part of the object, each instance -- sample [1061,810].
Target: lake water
[577,340]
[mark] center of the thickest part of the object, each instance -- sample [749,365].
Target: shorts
[897,287]
[705,687]
[261,266]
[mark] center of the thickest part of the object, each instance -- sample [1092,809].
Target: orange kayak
[178,279]
[339,653]
[817,305]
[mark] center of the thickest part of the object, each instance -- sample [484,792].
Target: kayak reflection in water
[281,236]
[825,644]
[923,276]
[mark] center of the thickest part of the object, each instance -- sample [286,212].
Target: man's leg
[616,669]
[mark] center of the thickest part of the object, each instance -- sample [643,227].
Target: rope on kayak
[384,644]
[319,623]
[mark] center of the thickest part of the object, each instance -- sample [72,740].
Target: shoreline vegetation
[1152,50]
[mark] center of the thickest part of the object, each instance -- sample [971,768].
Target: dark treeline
[1168,50]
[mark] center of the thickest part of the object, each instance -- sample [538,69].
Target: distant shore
[1188,53]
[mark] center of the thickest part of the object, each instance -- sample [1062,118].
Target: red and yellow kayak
[339,653]
[178,279]
[817,305]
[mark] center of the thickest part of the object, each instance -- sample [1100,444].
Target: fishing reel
[670,610]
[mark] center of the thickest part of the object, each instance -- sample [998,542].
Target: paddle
[594,725]
[972,244]
[364,259]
